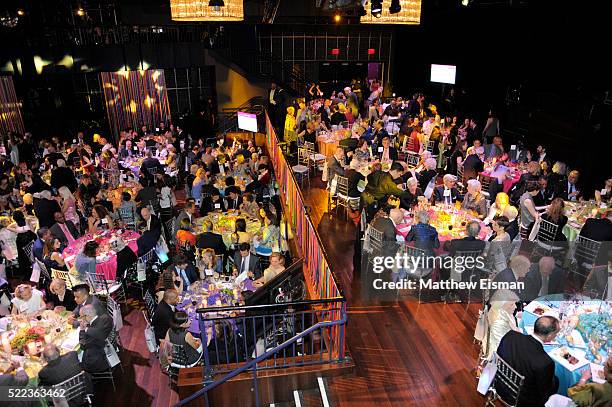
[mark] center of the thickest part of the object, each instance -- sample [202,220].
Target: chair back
[127,216]
[149,304]
[507,383]
[63,275]
[430,146]
[308,145]
[376,239]
[342,186]
[98,284]
[587,251]
[412,159]
[179,355]
[547,231]
[460,176]
[28,250]
[485,182]
[43,269]
[170,230]
[74,388]
[304,156]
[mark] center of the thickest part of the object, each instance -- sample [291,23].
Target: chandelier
[205,10]
[410,13]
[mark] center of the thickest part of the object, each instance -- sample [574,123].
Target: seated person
[185,236]
[277,266]
[60,368]
[447,193]
[27,300]
[410,197]
[52,254]
[423,234]
[162,316]
[593,394]
[246,264]
[555,215]
[249,206]
[354,178]
[215,204]
[178,335]
[60,296]
[211,264]
[167,280]
[185,271]
[474,200]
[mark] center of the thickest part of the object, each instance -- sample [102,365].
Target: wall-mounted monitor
[247,121]
[443,73]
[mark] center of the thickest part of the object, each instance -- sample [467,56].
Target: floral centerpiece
[27,335]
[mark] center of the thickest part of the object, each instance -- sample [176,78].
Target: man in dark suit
[470,243]
[63,229]
[232,197]
[60,368]
[82,298]
[246,262]
[448,193]
[381,184]
[184,270]
[146,242]
[386,225]
[544,278]
[526,355]
[150,222]
[385,151]
[472,165]
[275,103]
[568,188]
[163,314]
[335,165]
[544,196]
[215,203]
[63,176]
[92,338]
[187,213]
[44,207]
[519,267]
[210,240]
[600,230]
[150,163]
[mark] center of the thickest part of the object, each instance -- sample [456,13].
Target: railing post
[207,371]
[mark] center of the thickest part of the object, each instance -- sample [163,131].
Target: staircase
[317,397]
[228,117]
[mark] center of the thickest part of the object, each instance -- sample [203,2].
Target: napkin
[597,373]
[71,340]
[556,355]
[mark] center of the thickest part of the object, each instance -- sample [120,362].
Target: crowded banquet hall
[304,203]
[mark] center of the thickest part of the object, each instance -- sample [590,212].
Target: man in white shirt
[429,125]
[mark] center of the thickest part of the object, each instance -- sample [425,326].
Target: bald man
[59,367]
[92,338]
[163,313]
[544,278]
[516,272]
[336,164]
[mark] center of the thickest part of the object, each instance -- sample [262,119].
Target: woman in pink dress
[69,206]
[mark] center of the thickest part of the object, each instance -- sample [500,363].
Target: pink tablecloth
[458,231]
[109,266]
[508,182]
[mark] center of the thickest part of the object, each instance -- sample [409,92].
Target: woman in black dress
[60,296]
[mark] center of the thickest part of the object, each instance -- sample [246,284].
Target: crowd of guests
[54,193]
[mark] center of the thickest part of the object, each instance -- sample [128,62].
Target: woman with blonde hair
[290,128]
[69,204]
[27,300]
[497,208]
[500,320]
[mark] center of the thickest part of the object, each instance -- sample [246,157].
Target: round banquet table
[441,218]
[211,294]
[578,342]
[225,224]
[508,182]
[106,259]
[577,214]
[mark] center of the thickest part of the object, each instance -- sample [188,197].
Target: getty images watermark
[413,272]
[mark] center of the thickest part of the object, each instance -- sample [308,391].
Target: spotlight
[465,3]
[395,7]
[216,4]
[376,8]
[80,12]
[21,12]
[337,17]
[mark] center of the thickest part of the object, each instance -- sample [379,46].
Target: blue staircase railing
[252,364]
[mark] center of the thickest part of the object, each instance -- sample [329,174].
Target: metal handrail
[261,358]
[263,306]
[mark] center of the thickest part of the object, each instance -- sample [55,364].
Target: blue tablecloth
[567,378]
